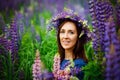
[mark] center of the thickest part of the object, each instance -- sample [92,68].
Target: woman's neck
[69,54]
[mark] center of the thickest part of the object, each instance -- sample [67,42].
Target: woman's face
[68,36]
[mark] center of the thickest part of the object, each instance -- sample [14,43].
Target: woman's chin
[66,47]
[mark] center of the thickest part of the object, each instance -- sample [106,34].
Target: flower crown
[69,14]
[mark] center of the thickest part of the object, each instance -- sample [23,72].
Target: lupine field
[28,43]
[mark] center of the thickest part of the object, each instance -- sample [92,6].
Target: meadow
[25,28]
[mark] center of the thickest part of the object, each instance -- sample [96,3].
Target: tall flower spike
[56,66]
[100,12]
[14,40]
[36,69]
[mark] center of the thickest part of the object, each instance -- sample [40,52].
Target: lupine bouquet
[69,72]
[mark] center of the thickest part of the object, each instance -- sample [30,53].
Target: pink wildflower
[59,74]
[36,69]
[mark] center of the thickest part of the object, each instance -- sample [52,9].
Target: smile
[66,42]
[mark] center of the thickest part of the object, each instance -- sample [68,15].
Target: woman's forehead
[68,25]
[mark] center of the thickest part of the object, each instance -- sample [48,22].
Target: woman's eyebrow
[71,30]
[68,30]
[62,29]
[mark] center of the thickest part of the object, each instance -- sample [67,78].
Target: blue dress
[78,63]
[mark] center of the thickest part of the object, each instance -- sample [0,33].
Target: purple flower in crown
[67,13]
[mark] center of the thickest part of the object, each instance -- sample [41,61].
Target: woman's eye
[71,32]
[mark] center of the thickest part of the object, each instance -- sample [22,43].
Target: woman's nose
[66,35]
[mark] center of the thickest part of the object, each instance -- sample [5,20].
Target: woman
[71,37]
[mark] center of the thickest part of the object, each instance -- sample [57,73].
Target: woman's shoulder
[79,62]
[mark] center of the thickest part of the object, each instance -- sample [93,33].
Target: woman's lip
[66,42]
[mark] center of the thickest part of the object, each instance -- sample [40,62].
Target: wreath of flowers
[70,14]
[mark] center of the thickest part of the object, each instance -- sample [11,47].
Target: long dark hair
[79,46]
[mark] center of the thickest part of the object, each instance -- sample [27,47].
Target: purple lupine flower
[111,34]
[109,70]
[110,42]
[112,64]
[112,49]
[14,40]
[4,44]
[10,43]
[116,65]
[93,11]
[20,25]
[105,38]
[99,12]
